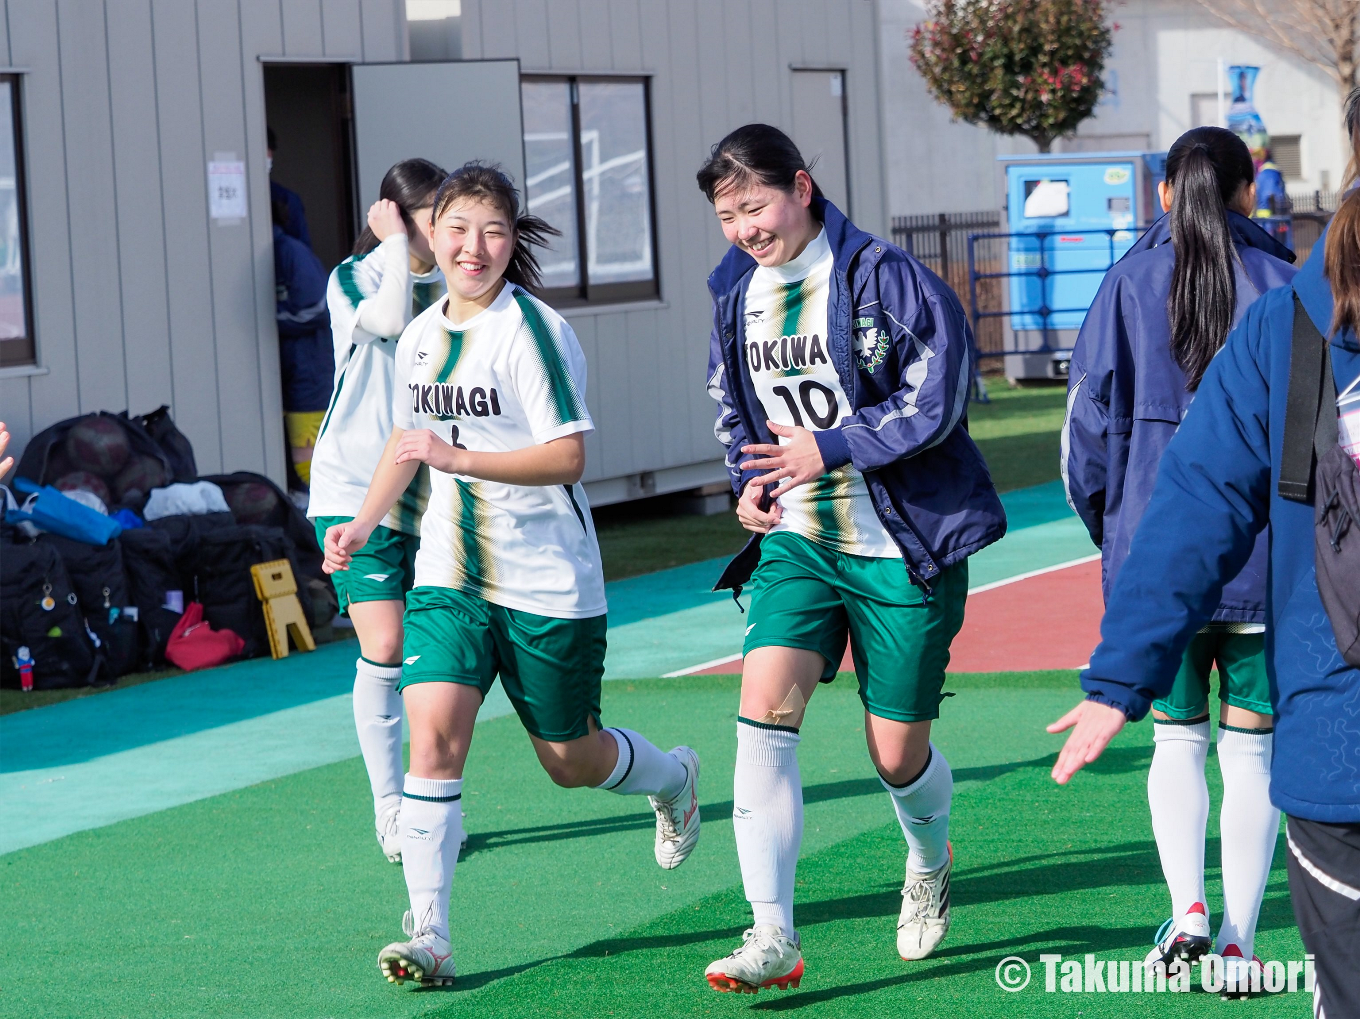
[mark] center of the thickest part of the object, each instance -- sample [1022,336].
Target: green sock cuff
[1225,727]
[380,665]
[1180,721]
[766,725]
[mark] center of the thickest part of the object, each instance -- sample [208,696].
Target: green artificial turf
[1018,432]
[274,900]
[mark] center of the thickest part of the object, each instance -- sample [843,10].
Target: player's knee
[899,764]
[567,772]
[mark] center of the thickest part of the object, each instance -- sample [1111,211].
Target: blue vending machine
[1068,219]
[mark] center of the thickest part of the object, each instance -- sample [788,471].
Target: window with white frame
[588,173]
[16,312]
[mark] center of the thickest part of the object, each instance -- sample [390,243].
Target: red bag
[196,645]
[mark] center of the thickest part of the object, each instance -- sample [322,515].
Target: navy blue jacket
[306,349]
[296,227]
[1214,494]
[928,482]
[1126,398]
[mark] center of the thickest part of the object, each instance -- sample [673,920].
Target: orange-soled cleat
[766,958]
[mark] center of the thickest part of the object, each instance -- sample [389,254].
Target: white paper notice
[227,189]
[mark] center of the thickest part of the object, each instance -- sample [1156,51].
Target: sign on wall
[226,188]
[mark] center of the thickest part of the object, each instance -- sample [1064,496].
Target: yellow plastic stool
[277,590]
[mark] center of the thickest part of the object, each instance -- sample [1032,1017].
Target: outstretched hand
[791,465]
[8,461]
[1093,725]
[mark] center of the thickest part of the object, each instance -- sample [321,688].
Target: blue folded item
[53,512]
[130,520]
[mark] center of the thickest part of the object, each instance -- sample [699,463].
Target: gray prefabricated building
[138,296]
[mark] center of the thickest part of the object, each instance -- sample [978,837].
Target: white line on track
[727,659]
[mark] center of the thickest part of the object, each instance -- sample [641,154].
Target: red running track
[1051,621]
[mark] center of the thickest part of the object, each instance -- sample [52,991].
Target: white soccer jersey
[359,419]
[512,376]
[786,354]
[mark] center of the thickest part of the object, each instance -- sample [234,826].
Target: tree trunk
[1045,142]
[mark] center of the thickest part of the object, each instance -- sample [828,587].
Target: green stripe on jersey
[411,504]
[335,397]
[566,403]
[425,294]
[472,539]
[453,350]
[344,275]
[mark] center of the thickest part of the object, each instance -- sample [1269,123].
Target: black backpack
[149,564]
[98,579]
[32,576]
[1314,468]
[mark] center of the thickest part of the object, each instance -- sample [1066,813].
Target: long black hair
[482,182]
[1206,169]
[411,184]
[753,156]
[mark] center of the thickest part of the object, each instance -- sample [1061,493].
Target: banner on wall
[1243,118]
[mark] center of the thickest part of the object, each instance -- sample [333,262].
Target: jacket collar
[1245,233]
[845,239]
[1315,294]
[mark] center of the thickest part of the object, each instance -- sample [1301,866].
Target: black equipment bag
[98,579]
[1314,468]
[44,459]
[184,532]
[224,584]
[178,450]
[242,491]
[149,563]
[32,577]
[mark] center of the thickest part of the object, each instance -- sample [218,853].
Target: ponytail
[1341,254]
[1206,168]
[482,183]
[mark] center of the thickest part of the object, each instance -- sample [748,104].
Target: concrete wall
[1164,52]
[139,298]
[714,66]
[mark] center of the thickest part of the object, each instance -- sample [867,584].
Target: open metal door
[819,131]
[448,113]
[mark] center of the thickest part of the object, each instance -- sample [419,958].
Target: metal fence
[1310,213]
[940,240]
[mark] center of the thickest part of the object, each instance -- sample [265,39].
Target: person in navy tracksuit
[1216,492]
[306,350]
[841,368]
[1161,314]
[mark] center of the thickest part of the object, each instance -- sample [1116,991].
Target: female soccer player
[841,367]
[491,396]
[1161,315]
[373,294]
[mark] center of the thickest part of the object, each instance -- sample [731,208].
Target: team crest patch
[871,344]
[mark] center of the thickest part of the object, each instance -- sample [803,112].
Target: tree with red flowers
[1027,67]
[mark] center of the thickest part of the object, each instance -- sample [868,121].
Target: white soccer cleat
[389,833]
[1241,978]
[924,919]
[426,959]
[1187,938]
[766,958]
[677,820]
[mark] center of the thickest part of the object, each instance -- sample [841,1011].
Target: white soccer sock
[431,831]
[1248,826]
[377,718]
[922,807]
[1179,800]
[643,769]
[767,816]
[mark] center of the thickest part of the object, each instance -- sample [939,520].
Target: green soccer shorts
[807,595]
[1242,680]
[550,668]
[383,570]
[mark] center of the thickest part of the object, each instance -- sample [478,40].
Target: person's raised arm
[1211,499]
[388,311]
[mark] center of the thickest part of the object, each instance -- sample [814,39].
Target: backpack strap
[1308,430]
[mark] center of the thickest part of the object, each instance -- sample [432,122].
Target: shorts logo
[379,577]
[871,344]
[412,660]
[422,355]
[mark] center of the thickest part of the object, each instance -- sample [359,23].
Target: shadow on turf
[1116,761]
